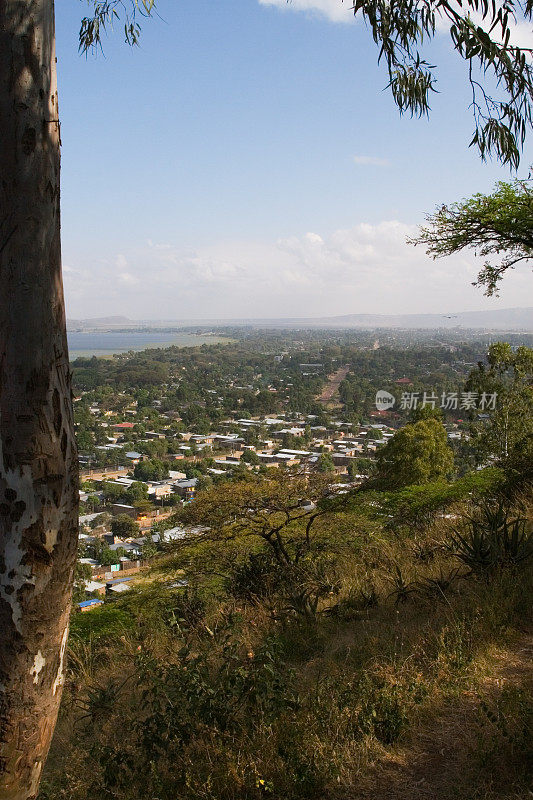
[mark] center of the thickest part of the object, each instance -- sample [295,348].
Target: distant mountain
[100,322]
[505,319]
[502,319]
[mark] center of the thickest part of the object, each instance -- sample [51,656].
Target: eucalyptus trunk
[38,460]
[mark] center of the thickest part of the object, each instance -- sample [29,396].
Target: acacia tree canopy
[278,510]
[483,34]
[494,224]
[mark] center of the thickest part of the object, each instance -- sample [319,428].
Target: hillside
[385,662]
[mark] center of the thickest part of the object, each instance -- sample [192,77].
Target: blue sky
[246,161]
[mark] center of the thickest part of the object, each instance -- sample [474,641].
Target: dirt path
[330,391]
[457,753]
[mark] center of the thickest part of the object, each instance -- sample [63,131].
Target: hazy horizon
[520,318]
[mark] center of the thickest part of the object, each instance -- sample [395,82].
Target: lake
[106,343]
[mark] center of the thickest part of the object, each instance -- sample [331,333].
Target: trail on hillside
[454,754]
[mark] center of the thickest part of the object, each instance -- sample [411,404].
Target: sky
[247,161]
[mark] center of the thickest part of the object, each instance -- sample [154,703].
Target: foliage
[416,454]
[400,28]
[325,463]
[507,434]
[381,710]
[143,506]
[151,470]
[501,222]
[99,520]
[124,527]
[492,540]
[105,13]
[107,557]
[360,466]
[402,589]
[82,574]
[250,457]
[256,578]
[279,509]
[418,505]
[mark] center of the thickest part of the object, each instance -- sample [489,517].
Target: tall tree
[38,459]
[493,224]
[417,453]
[505,431]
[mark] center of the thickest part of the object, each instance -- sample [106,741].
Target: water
[106,343]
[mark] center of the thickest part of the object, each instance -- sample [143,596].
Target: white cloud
[341,11]
[367,268]
[334,10]
[521,32]
[128,279]
[371,161]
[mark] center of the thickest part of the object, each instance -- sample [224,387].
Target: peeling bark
[38,460]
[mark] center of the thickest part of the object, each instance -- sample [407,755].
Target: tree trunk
[38,461]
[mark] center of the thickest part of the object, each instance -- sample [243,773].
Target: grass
[411,681]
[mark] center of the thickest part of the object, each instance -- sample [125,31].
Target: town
[156,427]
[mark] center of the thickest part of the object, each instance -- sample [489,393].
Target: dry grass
[422,692]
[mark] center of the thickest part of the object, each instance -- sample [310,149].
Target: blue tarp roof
[118,580]
[86,603]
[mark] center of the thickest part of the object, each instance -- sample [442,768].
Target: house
[294,453]
[224,463]
[88,605]
[174,475]
[120,508]
[130,547]
[292,431]
[94,587]
[157,489]
[171,535]
[229,442]
[200,439]
[266,458]
[186,489]
[114,588]
[154,435]
[286,459]
[123,426]
[123,483]
[92,562]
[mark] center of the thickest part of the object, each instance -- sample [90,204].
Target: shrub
[492,540]
[256,578]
